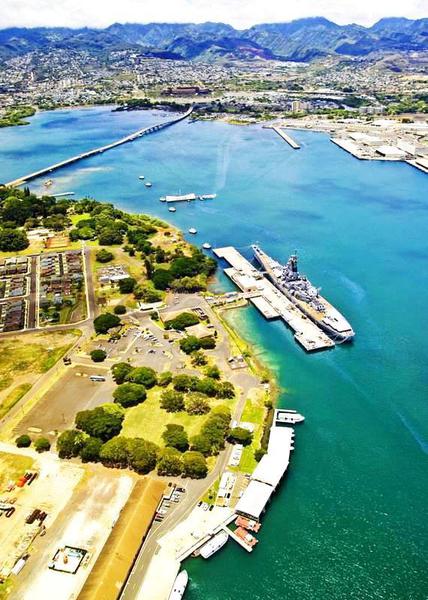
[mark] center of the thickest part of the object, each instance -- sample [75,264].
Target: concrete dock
[286,137]
[270,302]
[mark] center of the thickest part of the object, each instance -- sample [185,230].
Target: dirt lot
[82,503]
[73,392]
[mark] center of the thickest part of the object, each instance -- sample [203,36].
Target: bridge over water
[129,138]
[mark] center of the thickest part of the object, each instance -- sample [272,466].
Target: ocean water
[350,519]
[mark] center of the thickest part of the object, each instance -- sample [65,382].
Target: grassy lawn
[13,466]
[254,412]
[211,494]
[76,218]
[31,354]
[148,420]
[13,397]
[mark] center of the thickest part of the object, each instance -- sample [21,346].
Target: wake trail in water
[423,444]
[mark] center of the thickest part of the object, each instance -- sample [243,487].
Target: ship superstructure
[304,295]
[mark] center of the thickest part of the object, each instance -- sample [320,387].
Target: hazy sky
[240,13]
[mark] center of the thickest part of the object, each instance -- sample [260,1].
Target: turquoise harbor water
[349,521]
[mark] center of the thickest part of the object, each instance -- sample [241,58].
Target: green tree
[162,279]
[42,444]
[104,256]
[172,401]
[90,452]
[98,355]
[189,344]
[201,443]
[185,383]
[146,293]
[143,375]
[99,422]
[106,321]
[13,240]
[175,436]
[127,285]
[197,404]
[194,465]
[208,386]
[119,309]
[225,389]
[207,343]
[142,455]
[23,441]
[120,371]
[239,435]
[109,237]
[70,442]
[169,463]
[129,394]
[180,322]
[114,453]
[259,453]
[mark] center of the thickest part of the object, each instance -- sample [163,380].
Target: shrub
[180,322]
[129,394]
[98,355]
[120,371]
[198,358]
[143,375]
[172,401]
[259,453]
[207,343]
[127,285]
[213,372]
[164,379]
[175,436]
[194,465]
[23,441]
[239,435]
[197,404]
[170,462]
[104,256]
[70,442]
[106,321]
[119,309]
[42,444]
[99,422]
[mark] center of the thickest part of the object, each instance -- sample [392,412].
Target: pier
[286,137]
[270,302]
[74,159]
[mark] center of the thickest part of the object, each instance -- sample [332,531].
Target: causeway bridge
[129,138]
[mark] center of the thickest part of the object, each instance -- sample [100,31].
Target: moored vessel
[141,177]
[206,246]
[172,209]
[207,196]
[288,417]
[297,288]
[148,184]
[179,586]
[214,544]
[192,230]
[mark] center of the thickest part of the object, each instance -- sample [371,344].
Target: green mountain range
[300,40]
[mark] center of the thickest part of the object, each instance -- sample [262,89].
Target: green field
[148,420]
[13,397]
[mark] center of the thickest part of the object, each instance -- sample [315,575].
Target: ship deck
[271,302]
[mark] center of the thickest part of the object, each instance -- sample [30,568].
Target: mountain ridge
[300,40]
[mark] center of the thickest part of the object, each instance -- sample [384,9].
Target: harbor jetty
[270,302]
[74,159]
[287,138]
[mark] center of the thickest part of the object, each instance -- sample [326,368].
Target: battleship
[297,288]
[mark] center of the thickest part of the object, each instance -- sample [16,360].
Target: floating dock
[270,302]
[287,138]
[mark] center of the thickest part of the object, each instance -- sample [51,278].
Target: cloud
[239,13]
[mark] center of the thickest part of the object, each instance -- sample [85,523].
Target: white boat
[207,196]
[141,177]
[206,246]
[288,417]
[193,230]
[162,199]
[214,544]
[180,198]
[172,209]
[148,184]
[179,586]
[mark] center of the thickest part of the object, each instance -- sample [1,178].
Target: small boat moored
[214,544]
[141,177]
[193,230]
[207,196]
[206,246]
[172,209]
[288,417]
[179,586]
[148,184]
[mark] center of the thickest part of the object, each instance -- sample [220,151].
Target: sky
[239,13]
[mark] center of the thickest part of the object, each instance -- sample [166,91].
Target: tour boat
[192,230]
[179,586]
[141,177]
[206,246]
[172,209]
[214,544]
[148,184]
